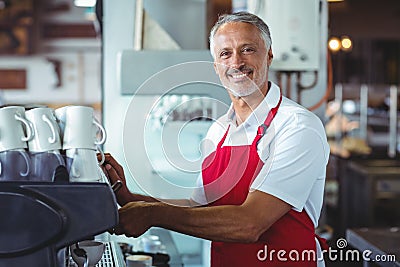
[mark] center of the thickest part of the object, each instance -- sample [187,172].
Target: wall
[117,35]
[368,19]
[179,26]
[78,80]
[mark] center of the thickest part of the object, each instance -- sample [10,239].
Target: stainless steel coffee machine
[39,219]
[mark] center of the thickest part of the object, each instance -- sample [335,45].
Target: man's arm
[228,223]
[244,223]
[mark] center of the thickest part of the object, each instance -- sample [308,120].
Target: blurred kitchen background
[340,59]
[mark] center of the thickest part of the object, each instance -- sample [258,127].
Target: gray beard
[243,93]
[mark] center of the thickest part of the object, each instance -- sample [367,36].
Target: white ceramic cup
[139,261]
[81,128]
[12,124]
[60,114]
[44,165]
[82,165]
[94,251]
[14,165]
[46,133]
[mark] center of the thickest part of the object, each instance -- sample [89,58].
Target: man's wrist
[125,197]
[128,196]
[159,214]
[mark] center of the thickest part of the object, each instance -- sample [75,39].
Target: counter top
[384,243]
[169,247]
[377,152]
[166,239]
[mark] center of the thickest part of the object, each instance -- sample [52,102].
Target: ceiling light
[334,44]
[346,43]
[85,3]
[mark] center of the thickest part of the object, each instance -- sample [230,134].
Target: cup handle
[51,139]
[103,158]
[103,133]
[74,172]
[60,159]
[27,164]
[28,126]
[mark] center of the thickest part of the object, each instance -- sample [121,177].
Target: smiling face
[241,58]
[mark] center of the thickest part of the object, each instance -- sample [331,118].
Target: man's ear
[270,57]
[215,68]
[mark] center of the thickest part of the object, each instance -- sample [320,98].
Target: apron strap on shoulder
[262,129]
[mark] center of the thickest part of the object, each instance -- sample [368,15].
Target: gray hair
[241,17]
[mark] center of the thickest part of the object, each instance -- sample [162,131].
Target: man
[262,180]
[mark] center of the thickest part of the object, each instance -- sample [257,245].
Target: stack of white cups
[44,147]
[82,136]
[15,131]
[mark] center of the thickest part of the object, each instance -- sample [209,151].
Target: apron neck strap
[223,138]
[262,129]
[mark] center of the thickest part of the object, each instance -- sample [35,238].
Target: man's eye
[248,50]
[224,54]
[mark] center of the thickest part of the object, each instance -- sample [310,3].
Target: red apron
[231,170]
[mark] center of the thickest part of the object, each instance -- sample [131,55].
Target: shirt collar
[258,116]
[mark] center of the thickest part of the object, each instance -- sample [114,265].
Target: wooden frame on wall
[13,79]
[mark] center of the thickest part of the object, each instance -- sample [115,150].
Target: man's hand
[134,219]
[114,172]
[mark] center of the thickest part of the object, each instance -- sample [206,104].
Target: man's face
[241,58]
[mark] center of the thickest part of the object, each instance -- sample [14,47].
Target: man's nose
[236,61]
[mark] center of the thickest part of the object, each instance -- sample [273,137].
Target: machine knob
[303,57]
[285,56]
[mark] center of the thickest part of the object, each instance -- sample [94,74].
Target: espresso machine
[39,220]
[53,193]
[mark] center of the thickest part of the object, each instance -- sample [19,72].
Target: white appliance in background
[175,95]
[295,31]
[299,32]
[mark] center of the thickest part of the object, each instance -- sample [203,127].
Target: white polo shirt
[294,150]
